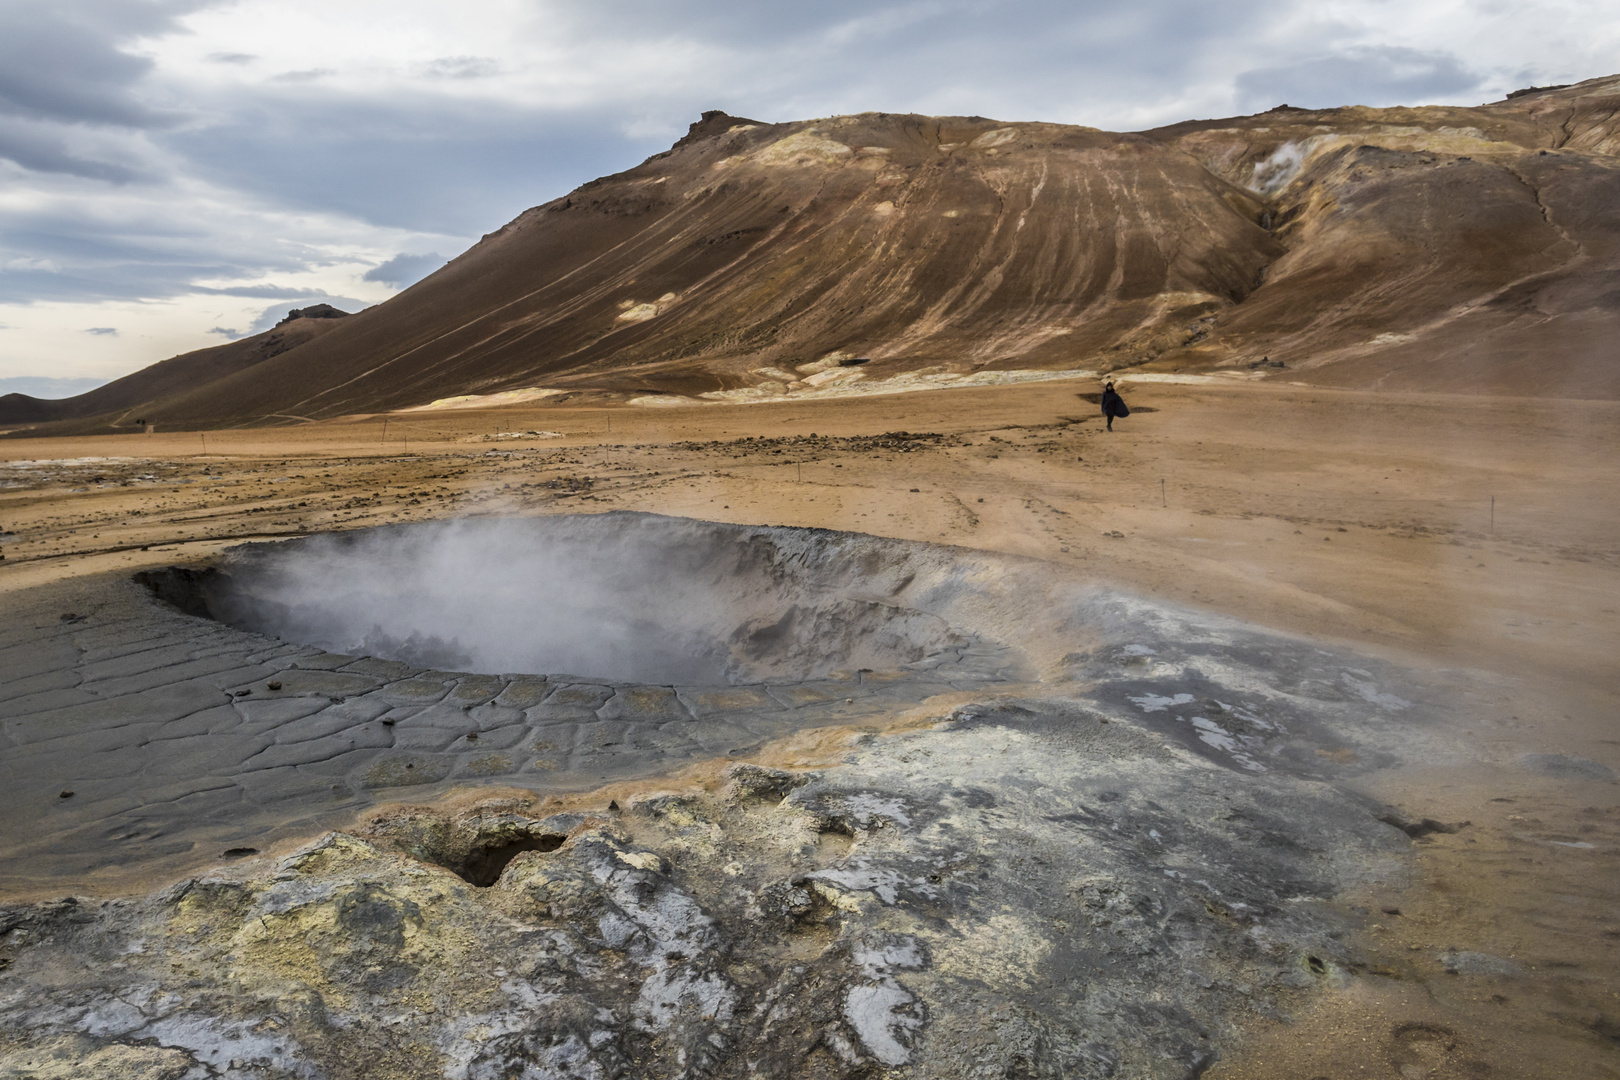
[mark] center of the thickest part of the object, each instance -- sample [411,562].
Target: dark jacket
[1113,404]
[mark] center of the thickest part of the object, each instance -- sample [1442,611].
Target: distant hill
[1436,248]
[138,398]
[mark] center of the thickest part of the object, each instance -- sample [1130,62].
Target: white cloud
[404,270]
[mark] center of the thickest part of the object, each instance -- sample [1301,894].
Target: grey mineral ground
[1085,836]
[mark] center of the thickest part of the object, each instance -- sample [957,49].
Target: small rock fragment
[1468,962]
[1418,829]
[1566,767]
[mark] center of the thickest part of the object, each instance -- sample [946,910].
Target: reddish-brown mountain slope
[1467,249]
[1435,248]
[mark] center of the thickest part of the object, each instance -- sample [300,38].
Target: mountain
[1435,248]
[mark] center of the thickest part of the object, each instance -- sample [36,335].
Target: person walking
[1113,405]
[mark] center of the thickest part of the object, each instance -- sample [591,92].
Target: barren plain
[1467,541]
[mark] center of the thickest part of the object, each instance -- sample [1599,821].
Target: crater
[625,597]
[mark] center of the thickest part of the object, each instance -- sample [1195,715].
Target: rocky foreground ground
[1109,880]
[1357,526]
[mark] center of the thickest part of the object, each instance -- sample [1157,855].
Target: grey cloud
[232,57]
[307,75]
[847,55]
[118,281]
[1090,62]
[64,72]
[62,60]
[55,258]
[460,67]
[746,21]
[1385,75]
[256,292]
[233,335]
[42,147]
[425,164]
[403,270]
[102,331]
[81,242]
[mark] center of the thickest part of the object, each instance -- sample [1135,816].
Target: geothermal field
[708,629]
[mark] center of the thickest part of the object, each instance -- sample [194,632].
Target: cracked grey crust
[1024,891]
[179,735]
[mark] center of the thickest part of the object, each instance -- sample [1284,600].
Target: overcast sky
[176,173]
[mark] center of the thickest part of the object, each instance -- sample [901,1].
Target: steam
[1278,170]
[617,596]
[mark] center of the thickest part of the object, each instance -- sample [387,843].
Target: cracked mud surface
[1108,869]
[175,734]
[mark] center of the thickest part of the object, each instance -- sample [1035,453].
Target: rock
[753,782]
[1464,962]
[1420,827]
[314,311]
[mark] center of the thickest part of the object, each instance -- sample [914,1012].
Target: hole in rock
[485,865]
[834,841]
[619,596]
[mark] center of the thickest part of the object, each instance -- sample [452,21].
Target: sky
[179,173]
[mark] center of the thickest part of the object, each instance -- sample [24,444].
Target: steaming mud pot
[625,597]
[989,821]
